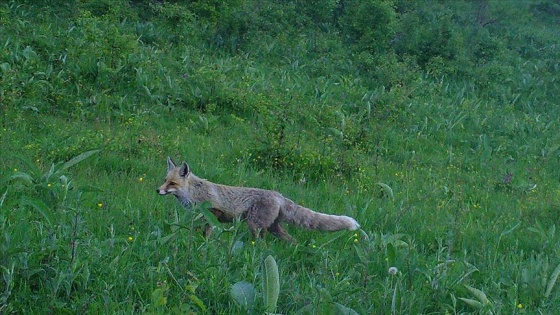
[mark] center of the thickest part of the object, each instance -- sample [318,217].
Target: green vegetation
[434,123]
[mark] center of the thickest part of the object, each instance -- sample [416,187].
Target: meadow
[434,124]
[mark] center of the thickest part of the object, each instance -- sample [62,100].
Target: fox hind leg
[277,230]
[262,216]
[256,227]
[256,230]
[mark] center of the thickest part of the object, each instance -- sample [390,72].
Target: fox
[264,210]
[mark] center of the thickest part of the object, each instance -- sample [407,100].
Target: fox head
[175,180]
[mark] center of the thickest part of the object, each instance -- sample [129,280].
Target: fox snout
[163,191]
[167,189]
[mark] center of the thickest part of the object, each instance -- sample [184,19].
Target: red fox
[263,209]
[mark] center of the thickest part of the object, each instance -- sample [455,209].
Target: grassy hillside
[434,124]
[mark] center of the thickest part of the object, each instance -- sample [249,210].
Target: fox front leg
[222,218]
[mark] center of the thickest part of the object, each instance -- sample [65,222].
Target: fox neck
[186,203]
[195,192]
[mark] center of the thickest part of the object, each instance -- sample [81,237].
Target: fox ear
[184,171]
[170,164]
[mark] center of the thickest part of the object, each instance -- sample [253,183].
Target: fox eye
[173,183]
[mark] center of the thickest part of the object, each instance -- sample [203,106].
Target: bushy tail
[307,218]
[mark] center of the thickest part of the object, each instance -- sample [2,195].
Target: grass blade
[41,207]
[552,281]
[33,170]
[3,197]
[77,159]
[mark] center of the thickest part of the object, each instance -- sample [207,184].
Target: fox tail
[307,218]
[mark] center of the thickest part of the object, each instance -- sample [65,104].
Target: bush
[369,25]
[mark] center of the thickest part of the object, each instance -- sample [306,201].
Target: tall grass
[446,155]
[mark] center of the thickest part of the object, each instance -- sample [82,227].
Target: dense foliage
[434,123]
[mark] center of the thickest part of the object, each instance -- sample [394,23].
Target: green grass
[445,151]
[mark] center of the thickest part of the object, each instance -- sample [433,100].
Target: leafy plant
[244,293]
[480,301]
[271,284]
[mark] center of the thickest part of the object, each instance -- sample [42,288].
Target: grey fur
[263,209]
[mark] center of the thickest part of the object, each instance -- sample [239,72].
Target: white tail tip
[352,224]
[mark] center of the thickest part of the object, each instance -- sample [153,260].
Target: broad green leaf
[23,176]
[340,309]
[481,296]
[209,216]
[237,247]
[387,189]
[271,284]
[390,254]
[244,294]
[198,302]
[473,303]
[158,297]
